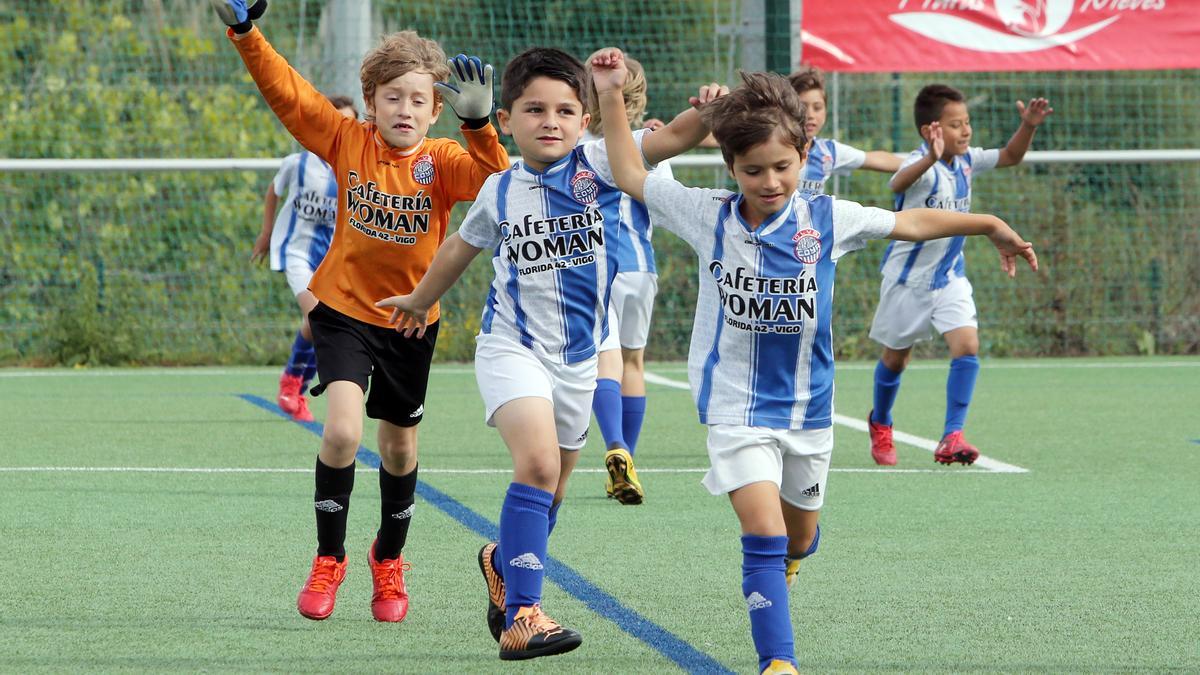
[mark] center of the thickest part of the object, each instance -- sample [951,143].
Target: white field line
[984,462]
[467,370]
[253,470]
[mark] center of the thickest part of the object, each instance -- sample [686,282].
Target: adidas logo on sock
[814,491]
[328,506]
[527,561]
[756,601]
[405,514]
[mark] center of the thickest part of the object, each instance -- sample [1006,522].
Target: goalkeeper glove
[469,91]
[237,15]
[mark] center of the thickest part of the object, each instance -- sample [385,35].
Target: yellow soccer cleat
[623,476]
[793,571]
[780,667]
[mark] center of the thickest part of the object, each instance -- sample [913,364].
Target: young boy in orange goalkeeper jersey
[395,191]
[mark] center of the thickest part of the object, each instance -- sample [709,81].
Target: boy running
[294,239]
[395,191]
[551,222]
[761,361]
[925,286]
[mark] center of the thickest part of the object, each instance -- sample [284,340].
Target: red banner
[969,35]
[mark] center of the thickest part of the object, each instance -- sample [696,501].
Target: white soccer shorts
[506,371]
[907,315]
[298,274]
[797,460]
[630,307]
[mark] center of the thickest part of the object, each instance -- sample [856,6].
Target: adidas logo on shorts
[527,561]
[756,601]
[405,514]
[814,491]
[328,506]
[418,412]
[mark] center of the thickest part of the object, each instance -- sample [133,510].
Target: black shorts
[395,367]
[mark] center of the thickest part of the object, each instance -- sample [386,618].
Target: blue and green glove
[237,15]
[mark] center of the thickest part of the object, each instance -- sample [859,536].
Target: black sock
[395,512]
[332,503]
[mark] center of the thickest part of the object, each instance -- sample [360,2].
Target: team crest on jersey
[827,164]
[422,170]
[966,169]
[584,187]
[808,246]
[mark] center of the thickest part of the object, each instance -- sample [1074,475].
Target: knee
[965,347]
[542,473]
[896,360]
[341,438]
[399,449]
[633,360]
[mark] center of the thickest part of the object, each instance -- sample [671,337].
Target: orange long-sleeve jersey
[393,205]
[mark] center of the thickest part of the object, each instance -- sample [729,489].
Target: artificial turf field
[161,520]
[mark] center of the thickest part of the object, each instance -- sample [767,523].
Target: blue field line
[654,636]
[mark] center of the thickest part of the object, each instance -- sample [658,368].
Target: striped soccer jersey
[635,253]
[761,352]
[932,264]
[827,157]
[554,236]
[304,225]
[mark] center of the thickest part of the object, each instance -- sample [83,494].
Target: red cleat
[883,450]
[320,591]
[303,414]
[955,448]
[389,602]
[289,393]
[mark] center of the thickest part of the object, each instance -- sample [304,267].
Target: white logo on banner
[1033,25]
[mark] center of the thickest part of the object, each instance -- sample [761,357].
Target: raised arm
[909,175]
[1031,118]
[468,92]
[926,224]
[412,310]
[608,72]
[684,132]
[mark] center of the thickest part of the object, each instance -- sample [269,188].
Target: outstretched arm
[880,160]
[1031,118]
[926,224]
[684,132]
[909,175]
[412,310]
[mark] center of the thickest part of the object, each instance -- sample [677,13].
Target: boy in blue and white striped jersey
[551,222]
[925,286]
[294,240]
[761,358]
[827,157]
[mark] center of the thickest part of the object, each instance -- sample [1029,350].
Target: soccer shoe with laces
[534,634]
[495,586]
[289,393]
[625,485]
[780,667]
[883,449]
[389,602]
[320,591]
[955,448]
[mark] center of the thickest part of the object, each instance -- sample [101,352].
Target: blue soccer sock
[606,403]
[960,385]
[765,588]
[887,385]
[302,355]
[633,411]
[552,518]
[524,529]
[309,373]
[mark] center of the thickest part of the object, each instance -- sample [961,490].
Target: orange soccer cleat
[320,591]
[389,602]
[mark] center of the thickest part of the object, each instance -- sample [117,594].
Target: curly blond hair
[399,54]
[634,92]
